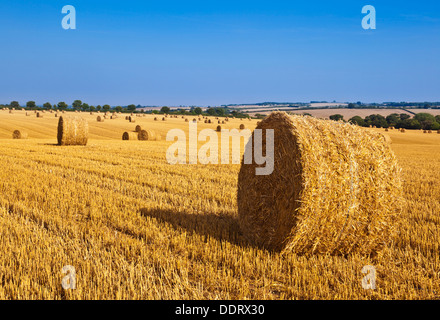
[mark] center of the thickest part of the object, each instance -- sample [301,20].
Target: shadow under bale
[221,227]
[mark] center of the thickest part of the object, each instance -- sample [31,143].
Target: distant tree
[336,117]
[14,104]
[118,109]
[106,107]
[426,120]
[54,107]
[62,105]
[404,116]
[197,110]
[47,106]
[376,120]
[92,108]
[358,120]
[351,106]
[77,104]
[85,107]
[211,111]
[393,119]
[131,107]
[220,112]
[305,114]
[164,110]
[437,118]
[98,108]
[30,104]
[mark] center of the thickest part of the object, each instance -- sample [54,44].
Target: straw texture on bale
[147,135]
[72,130]
[130,136]
[17,134]
[335,189]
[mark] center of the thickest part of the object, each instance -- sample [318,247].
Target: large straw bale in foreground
[72,130]
[17,134]
[335,189]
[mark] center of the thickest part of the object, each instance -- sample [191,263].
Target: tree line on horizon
[423,120]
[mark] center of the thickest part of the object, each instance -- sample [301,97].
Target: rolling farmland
[136,227]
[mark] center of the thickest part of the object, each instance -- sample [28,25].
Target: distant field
[136,227]
[347,113]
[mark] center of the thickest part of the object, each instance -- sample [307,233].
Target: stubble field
[135,227]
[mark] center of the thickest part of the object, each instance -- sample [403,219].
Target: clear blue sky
[218,52]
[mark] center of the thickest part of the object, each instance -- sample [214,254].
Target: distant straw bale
[18,134]
[72,130]
[147,135]
[100,118]
[138,128]
[241,126]
[130,136]
[335,189]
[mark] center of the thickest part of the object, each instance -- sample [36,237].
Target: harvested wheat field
[135,227]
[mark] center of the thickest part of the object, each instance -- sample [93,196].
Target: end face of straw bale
[72,130]
[17,134]
[335,189]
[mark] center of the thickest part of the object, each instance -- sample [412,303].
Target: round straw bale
[132,119]
[438,131]
[39,115]
[163,118]
[17,134]
[335,188]
[155,118]
[387,138]
[429,131]
[138,128]
[223,122]
[100,119]
[241,126]
[219,128]
[147,135]
[130,136]
[127,118]
[206,121]
[424,131]
[186,120]
[72,130]
[10,111]
[402,130]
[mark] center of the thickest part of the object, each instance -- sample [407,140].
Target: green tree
[98,108]
[211,111]
[47,106]
[131,107]
[393,119]
[62,105]
[14,104]
[118,109]
[197,110]
[106,107]
[358,121]
[85,107]
[164,110]
[30,104]
[404,116]
[77,104]
[92,108]
[336,117]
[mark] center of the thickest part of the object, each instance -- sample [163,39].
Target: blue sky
[219,52]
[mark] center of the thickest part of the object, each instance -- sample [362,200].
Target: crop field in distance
[135,227]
